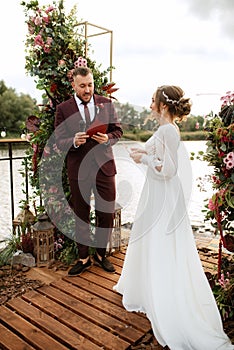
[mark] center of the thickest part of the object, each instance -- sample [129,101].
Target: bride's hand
[138,150]
[136,156]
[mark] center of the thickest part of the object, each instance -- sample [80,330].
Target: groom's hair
[83,71]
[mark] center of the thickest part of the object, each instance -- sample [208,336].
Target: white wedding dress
[162,274]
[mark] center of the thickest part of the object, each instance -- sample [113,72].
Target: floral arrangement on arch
[220,155]
[219,209]
[54,46]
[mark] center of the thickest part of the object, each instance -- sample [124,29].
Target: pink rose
[38,40]
[61,62]
[49,9]
[49,40]
[37,20]
[46,19]
[211,204]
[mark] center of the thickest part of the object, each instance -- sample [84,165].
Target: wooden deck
[72,313]
[81,313]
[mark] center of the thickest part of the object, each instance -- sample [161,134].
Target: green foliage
[219,154]
[192,123]
[219,210]
[12,245]
[69,253]
[53,44]
[14,109]
[193,135]
[223,289]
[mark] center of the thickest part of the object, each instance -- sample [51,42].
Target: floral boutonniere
[99,107]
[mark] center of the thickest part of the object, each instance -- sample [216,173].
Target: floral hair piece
[170,100]
[81,62]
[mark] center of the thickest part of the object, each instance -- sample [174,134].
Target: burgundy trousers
[103,188]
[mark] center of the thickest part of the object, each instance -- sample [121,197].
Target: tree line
[15,108]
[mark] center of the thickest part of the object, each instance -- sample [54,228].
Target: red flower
[53,87]
[221,154]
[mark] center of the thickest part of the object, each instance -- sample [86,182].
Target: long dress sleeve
[162,152]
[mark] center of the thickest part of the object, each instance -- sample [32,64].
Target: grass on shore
[144,135]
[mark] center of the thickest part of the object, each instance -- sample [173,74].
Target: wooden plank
[121,255]
[75,321]
[89,311]
[105,293]
[116,261]
[114,277]
[63,334]
[109,275]
[134,319]
[32,334]
[96,279]
[10,341]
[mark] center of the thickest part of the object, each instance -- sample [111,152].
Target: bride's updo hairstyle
[173,96]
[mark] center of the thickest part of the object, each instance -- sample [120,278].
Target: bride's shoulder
[169,128]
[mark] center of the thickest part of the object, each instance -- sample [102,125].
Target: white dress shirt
[90,106]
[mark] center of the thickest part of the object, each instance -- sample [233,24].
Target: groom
[87,125]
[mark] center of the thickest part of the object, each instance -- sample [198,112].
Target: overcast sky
[189,43]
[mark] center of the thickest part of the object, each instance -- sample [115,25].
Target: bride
[162,274]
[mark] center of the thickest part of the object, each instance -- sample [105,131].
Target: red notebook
[96,127]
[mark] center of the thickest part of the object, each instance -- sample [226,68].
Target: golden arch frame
[86,25]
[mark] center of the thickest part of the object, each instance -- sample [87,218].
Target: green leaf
[232,177]
[223,147]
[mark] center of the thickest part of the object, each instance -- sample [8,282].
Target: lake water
[130,180]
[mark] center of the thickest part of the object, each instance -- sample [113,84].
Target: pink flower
[229,160]
[38,40]
[46,19]
[48,44]
[49,9]
[46,49]
[53,189]
[61,62]
[211,205]
[227,99]
[197,126]
[49,40]
[81,62]
[37,20]
[30,29]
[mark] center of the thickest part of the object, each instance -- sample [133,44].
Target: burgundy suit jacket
[80,160]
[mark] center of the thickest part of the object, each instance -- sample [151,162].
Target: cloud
[183,42]
[210,9]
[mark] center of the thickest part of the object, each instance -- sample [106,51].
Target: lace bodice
[162,149]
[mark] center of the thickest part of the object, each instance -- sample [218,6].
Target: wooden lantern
[115,239]
[43,236]
[22,224]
